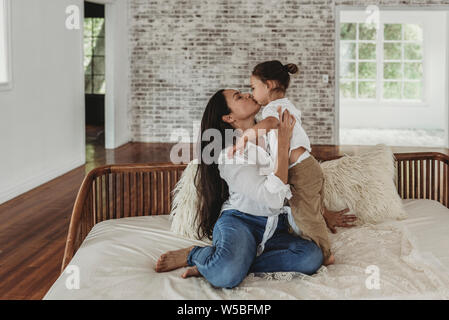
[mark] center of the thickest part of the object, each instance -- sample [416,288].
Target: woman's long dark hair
[212,189]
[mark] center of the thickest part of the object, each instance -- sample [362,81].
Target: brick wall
[184,51]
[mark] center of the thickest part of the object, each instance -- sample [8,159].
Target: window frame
[8,85]
[359,17]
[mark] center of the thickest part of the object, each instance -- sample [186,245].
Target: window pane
[348,31]
[98,66]
[347,89]
[412,51]
[392,70]
[392,51]
[87,65]
[88,84]
[367,31]
[87,46]
[5,62]
[367,51]
[347,50]
[413,32]
[88,27]
[413,70]
[367,90]
[98,27]
[392,90]
[99,47]
[347,70]
[367,70]
[99,85]
[412,90]
[393,32]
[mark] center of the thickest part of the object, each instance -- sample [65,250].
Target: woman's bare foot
[191,272]
[330,260]
[172,260]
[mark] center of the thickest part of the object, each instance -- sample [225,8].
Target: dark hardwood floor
[34,225]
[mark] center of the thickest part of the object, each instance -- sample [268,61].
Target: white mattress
[117,260]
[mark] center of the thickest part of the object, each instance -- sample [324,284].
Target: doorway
[94,75]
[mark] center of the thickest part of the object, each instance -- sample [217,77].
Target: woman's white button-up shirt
[254,188]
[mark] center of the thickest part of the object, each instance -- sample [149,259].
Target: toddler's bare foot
[191,272]
[330,260]
[172,260]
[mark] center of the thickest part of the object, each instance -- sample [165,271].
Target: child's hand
[239,146]
[286,125]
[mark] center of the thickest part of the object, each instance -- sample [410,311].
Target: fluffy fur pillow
[185,204]
[364,183]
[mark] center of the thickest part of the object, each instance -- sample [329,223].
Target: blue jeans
[233,252]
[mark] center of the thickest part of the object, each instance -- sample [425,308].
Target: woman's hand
[338,219]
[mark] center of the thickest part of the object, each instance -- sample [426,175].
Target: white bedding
[117,260]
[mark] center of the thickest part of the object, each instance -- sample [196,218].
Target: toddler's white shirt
[299,137]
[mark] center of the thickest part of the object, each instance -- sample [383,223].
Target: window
[358,65]
[5,67]
[94,55]
[403,61]
[381,65]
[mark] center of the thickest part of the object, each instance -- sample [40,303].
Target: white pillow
[364,183]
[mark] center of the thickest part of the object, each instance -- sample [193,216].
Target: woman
[240,209]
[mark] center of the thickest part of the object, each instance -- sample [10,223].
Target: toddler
[269,83]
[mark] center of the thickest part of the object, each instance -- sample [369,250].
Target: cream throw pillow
[363,183]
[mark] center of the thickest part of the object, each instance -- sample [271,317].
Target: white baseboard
[37,180]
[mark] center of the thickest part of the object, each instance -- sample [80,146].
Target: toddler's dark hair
[275,70]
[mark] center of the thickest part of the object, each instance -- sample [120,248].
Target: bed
[120,226]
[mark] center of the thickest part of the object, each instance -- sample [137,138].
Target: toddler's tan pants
[306,181]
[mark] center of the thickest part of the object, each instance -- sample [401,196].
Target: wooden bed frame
[129,190]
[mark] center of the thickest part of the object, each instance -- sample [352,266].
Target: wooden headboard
[129,190]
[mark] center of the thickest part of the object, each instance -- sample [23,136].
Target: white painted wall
[432,114]
[117,74]
[42,126]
